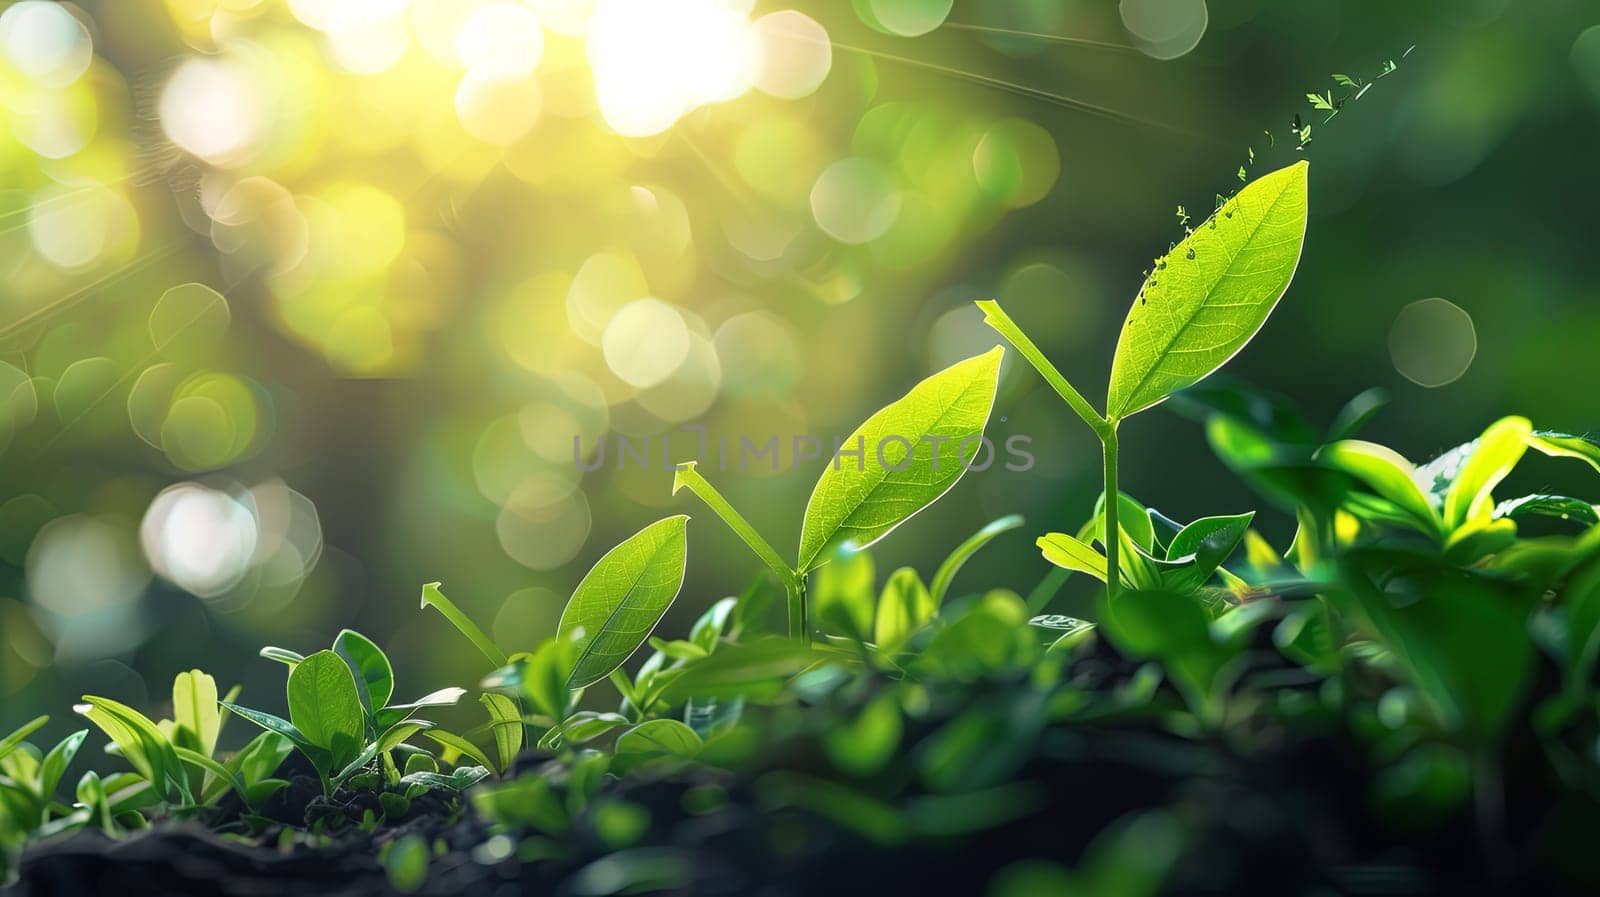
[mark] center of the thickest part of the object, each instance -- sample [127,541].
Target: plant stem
[1113,535]
[1001,323]
[793,583]
[799,616]
[1104,428]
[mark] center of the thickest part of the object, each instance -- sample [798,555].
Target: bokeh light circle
[906,18]
[789,54]
[501,42]
[1165,29]
[645,342]
[544,523]
[1432,342]
[45,42]
[855,200]
[200,539]
[1016,162]
[214,109]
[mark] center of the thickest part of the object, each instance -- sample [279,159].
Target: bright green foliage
[1211,293]
[858,501]
[905,606]
[946,574]
[622,598]
[324,706]
[432,597]
[340,717]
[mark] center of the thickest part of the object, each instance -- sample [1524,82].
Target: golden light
[213,109]
[654,61]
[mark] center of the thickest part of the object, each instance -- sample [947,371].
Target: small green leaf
[904,607]
[1559,506]
[1211,293]
[141,742]
[395,713]
[1209,541]
[585,725]
[756,669]
[1566,445]
[460,745]
[432,597]
[195,710]
[369,665]
[324,706]
[659,738]
[400,732]
[912,452]
[1071,553]
[1497,451]
[622,598]
[10,742]
[189,317]
[282,655]
[843,594]
[947,571]
[1391,476]
[55,763]
[507,727]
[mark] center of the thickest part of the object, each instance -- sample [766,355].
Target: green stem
[793,583]
[1001,323]
[799,616]
[1113,535]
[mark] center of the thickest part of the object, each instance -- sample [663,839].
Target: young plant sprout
[1200,305]
[898,471]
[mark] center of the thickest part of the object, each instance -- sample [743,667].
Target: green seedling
[906,464]
[340,717]
[1197,308]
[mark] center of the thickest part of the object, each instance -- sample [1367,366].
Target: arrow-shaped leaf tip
[678,481]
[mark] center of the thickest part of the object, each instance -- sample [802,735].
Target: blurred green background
[446,237]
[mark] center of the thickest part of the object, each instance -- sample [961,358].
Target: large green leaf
[912,452]
[141,742]
[1211,293]
[1202,546]
[1541,505]
[622,598]
[324,706]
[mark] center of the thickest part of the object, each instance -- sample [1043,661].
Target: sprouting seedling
[902,459]
[1227,277]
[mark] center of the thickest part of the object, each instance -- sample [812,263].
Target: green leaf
[1211,293]
[1497,451]
[1071,553]
[195,710]
[188,317]
[432,597]
[905,606]
[858,501]
[276,725]
[622,598]
[756,668]
[843,594]
[55,763]
[1355,414]
[1566,445]
[1388,474]
[394,713]
[1209,540]
[282,655]
[947,571]
[460,745]
[398,733]
[324,706]
[585,725]
[369,665]
[141,742]
[10,742]
[507,727]
[1559,506]
[659,738]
